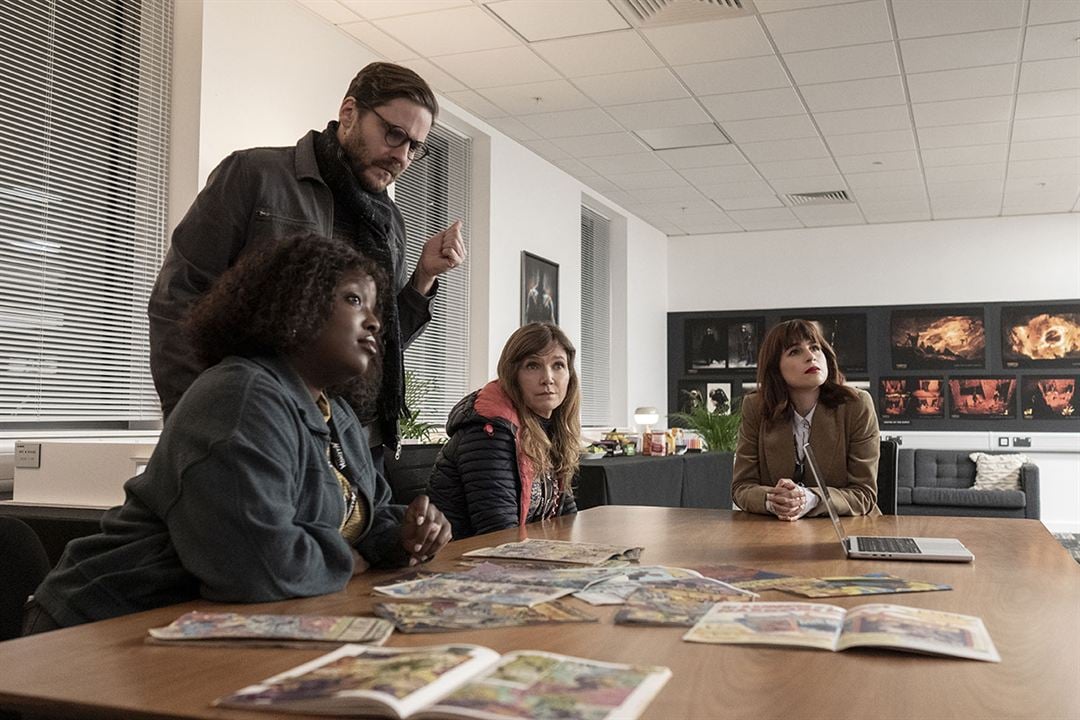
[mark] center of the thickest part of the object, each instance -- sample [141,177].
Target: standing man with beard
[331,183]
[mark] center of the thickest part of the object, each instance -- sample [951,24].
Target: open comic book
[274,630]
[457,681]
[558,551]
[829,627]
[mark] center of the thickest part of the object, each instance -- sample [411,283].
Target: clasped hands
[788,501]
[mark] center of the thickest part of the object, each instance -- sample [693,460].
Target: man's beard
[360,160]
[362,392]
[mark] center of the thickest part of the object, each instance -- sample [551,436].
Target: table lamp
[646,415]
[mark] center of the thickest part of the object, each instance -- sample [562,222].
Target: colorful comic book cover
[870,584]
[201,626]
[677,602]
[617,589]
[467,590]
[448,615]
[798,624]
[918,630]
[743,577]
[575,578]
[559,551]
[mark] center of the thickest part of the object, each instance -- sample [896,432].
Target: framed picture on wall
[539,289]
[930,339]
[1049,398]
[905,399]
[743,340]
[1040,336]
[847,335]
[718,397]
[984,397]
[706,344]
[691,396]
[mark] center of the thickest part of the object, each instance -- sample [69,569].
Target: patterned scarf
[376,237]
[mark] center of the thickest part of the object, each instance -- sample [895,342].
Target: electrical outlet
[27,455]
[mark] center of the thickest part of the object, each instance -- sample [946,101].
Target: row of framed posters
[1036,397]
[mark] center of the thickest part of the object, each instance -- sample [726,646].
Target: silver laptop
[863,547]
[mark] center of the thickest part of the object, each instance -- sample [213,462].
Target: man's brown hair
[378,83]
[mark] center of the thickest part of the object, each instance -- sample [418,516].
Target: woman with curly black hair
[514,444]
[261,487]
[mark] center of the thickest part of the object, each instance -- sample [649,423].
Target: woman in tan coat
[801,397]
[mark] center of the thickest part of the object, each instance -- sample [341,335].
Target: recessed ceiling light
[683,136]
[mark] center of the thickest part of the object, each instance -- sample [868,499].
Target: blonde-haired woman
[514,444]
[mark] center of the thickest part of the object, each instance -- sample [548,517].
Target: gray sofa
[939,482]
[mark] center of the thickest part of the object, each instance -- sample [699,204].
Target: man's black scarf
[373,216]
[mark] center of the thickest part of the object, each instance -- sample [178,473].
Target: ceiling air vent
[827,197]
[651,13]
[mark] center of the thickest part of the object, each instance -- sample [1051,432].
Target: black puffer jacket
[481,482]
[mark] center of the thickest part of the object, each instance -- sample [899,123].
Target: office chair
[886,476]
[23,565]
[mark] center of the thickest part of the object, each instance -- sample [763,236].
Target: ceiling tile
[1047,11]
[831,26]
[853,94]
[1057,184]
[569,123]
[959,51]
[1048,104]
[632,87]
[598,54]
[957,112]
[622,164]
[770,6]
[970,188]
[446,32]
[843,122]
[821,183]
[1051,41]
[620,143]
[658,198]
[754,104]
[879,162]
[531,98]
[546,19]
[694,225]
[683,136]
[513,127]
[746,188]
[438,78]
[495,68]
[707,176]
[373,9]
[332,10]
[959,135]
[738,37]
[772,151]
[710,156]
[377,41]
[750,203]
[1045,149]
[921,18]
[476,104]
[829,215]
[960,210]
[639,181]
[666,113]
[1039,168]
[904,193]
[956,173]
[600,184]
[963,83]
[730,76]
[765,219]
[894,178]
[970,155]
[545,149]
[1044,75]
[573,167]
[796,168]
[896,212]
[1067,126]
[775,128]
[869,143]
[846,63]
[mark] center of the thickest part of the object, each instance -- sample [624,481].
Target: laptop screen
[812,462]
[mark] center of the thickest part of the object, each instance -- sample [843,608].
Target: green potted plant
[720,432]
[408,473]
[417,390]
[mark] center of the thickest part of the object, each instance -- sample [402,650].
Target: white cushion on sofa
[997,472]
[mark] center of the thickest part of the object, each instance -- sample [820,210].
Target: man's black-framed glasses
[396,137]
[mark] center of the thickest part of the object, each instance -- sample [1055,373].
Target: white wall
[962,261]
[271,71]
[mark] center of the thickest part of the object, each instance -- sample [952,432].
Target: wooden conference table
[1022,583]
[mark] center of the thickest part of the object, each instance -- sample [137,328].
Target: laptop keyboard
[889,544]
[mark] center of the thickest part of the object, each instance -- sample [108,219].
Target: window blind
[84,129]
[431,194]
[595,355]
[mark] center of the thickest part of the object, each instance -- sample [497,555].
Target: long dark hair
[560,454]
[275,301]
[773,390]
